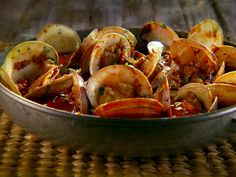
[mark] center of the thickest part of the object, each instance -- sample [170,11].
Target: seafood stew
[113,73]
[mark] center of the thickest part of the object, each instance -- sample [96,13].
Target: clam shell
[157,31]
[28,60]
[225,93]
[61,37]
[228,78]
[202,92]
[155,47]
[162,94]
[115,29]
[112,41]
[185,51]
[120,78]
[227,54]
[130,108]
[149,64]
[208,33]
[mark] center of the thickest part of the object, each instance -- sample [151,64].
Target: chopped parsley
[101,90]
[163,25]
[53,60]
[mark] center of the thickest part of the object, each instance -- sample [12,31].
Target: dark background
[21,19]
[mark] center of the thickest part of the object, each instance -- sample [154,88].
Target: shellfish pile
[112,73]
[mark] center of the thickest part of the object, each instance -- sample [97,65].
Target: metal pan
[119,137]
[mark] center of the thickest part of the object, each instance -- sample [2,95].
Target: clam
[162,94]
[82,54]
[112,48]
[26,62]
[224,92]
[214,105]
[228,78]
[87,41]
[60,90]
[156,31]
[130,108]
[155,47]
[227,54]
[221,70]
[50,84]
[117,82]
[192,57]
[62,38]
[149,64]
[208,33]
[201,91]
[86,57]
[115,29]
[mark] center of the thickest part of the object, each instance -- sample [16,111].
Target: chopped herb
[28,48]
[52,60]
[128,64]
[101,90]
[185,79]
[135,57]
[65,70]
[163,25]
[18,50]
[45,50]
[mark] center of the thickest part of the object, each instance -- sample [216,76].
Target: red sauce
[63,101]
[184,108]
[23,86]
[64,59]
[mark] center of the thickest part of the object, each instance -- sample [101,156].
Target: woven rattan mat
[23,154]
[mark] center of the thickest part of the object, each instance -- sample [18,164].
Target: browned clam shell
[193,56]
[207,32]
[112,48]
[130,108]
[157,31]
[227,54]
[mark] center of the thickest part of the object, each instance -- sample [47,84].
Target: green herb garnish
[101,90]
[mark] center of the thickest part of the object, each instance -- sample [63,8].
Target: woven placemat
[23,154]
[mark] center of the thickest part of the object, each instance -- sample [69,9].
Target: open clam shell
[116,29]
[162,94]
[224,92]
[228,78]
[157,31]
[187,51]
[113,48]
[149,64]
[227,54]
[62,38]
[28,61]
[201,91]
[130,108]
[208,33]
[117,82]
[53,83]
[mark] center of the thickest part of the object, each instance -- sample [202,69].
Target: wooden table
[20,20]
